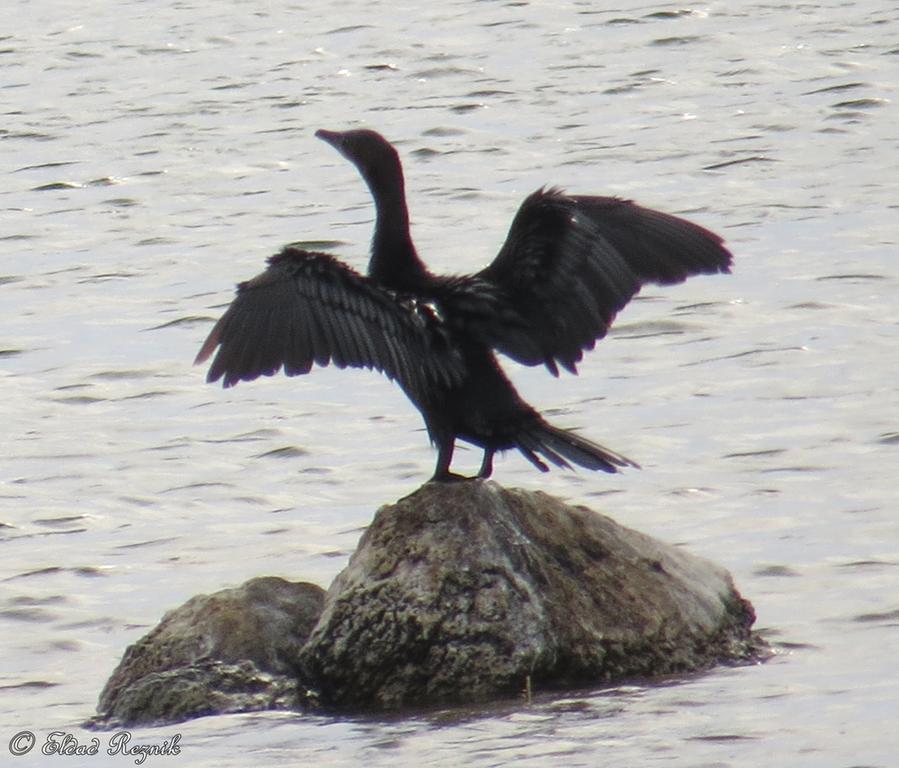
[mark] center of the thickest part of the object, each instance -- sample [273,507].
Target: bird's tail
[559,446]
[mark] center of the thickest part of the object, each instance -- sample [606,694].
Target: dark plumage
[568,265]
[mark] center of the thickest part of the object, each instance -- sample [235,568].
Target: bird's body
[568,265]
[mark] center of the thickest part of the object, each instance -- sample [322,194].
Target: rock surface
[458,593]
[468,591]
[232,651]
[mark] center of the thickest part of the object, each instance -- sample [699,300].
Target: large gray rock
[232,651]
[468,591]
[459,592]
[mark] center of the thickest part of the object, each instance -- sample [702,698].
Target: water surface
[154,156]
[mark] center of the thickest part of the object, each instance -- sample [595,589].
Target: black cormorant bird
[568,265]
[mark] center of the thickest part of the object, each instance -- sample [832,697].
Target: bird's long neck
[394,262]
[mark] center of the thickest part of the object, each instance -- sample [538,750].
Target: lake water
[154,154]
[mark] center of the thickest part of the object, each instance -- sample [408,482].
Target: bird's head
[369,151]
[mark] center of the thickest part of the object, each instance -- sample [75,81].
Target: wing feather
[570,264]
[309,309]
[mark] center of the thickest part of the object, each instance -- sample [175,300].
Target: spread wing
[570,264]
[308,308]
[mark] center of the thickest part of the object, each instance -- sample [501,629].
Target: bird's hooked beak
[334,138]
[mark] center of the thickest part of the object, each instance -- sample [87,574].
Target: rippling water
[153,156]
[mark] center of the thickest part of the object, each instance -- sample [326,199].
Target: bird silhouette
[569,264]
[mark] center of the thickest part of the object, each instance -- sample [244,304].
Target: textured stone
[467,591]
[231,651]
[460,592]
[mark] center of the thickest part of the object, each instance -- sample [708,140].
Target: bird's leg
[444,459]
[487,464]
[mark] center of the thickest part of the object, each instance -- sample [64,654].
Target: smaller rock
[232,651]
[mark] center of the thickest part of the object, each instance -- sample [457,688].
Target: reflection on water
[156,155]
